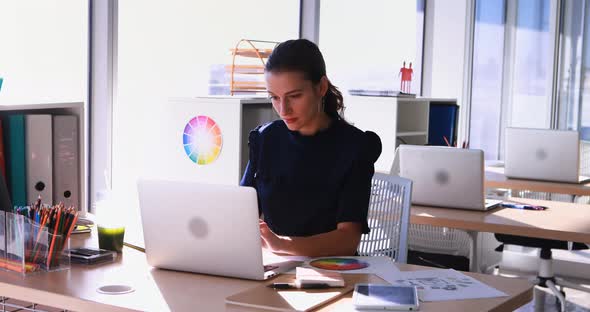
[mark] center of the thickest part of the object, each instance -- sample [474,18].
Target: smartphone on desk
[385,297]
[91,255]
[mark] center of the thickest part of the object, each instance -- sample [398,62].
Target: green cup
[111,238]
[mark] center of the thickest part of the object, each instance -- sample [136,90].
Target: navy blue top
[306,185]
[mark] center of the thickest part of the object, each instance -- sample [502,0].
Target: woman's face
[298,101]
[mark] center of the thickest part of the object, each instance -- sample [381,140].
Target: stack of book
[309,276]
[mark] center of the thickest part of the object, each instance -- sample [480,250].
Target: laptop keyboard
[269,267]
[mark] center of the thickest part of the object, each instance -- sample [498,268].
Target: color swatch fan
[202,140]
[339,264]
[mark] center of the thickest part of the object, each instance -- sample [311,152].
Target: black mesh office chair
[545,276]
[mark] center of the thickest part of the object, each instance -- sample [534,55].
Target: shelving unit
[412,121]
[411,133]
[247,65]
[234,116]
[397,120]
[76,109]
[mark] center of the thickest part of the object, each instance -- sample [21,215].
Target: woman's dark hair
[304,56]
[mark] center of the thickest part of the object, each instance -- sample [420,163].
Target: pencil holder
[30,247]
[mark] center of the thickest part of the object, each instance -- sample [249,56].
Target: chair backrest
[388,218]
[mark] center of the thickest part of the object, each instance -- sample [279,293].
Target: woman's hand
[270,240]
[342,241]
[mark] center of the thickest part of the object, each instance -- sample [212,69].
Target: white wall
[43,51]
[447,26]
[444,48]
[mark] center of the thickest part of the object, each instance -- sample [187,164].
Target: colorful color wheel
[339,264]
[202,140]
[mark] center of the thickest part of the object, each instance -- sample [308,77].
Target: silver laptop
[204,228]
[543,154]
[445,176]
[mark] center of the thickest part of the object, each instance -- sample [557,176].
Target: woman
[312,170]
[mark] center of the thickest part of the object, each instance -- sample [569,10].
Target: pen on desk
[301,286]
[526,207]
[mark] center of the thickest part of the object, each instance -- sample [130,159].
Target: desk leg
[474,265]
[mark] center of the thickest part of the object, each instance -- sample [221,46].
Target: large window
[574,88]
[176,49]
[43,51]
[513,66]
[574,79]
[365,44]
[531,89]
[488,60]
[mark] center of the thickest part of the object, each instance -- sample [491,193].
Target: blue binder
[442,122]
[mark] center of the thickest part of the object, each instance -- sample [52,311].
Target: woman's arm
[343,241]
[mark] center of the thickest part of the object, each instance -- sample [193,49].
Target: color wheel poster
[202,140]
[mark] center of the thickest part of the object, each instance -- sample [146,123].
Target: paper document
[380,266]
[312,276]
[444,285]
[433,285]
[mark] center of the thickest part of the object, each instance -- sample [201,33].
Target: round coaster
[115,289]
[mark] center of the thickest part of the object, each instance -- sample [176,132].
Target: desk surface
[162,290]
[495,178]
[562,221]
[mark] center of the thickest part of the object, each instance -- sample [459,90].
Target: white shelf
[395,119]
[235,116]
[411,133]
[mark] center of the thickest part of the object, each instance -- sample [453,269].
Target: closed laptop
[445,176]
[542,154]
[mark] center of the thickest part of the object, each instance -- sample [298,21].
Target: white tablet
[385,297]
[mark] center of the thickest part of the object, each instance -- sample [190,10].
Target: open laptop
[543,154]
[204,228]
[445,176]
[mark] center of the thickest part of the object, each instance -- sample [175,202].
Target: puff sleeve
[353,203]
[251,167]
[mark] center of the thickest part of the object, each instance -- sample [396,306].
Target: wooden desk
[562,221]
[162,290]
[520,292]
[495,178]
